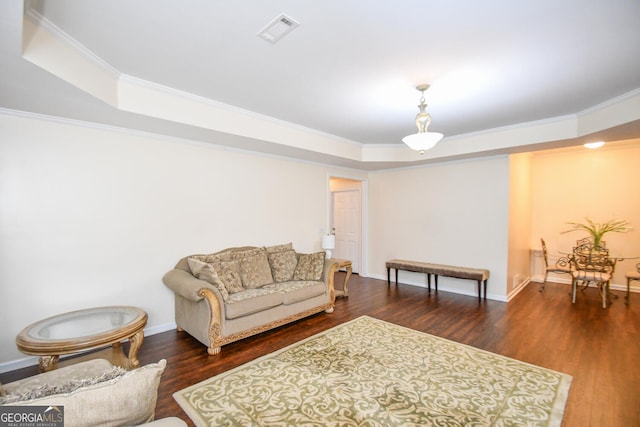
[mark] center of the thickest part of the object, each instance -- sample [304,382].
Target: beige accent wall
[519,264]
[450,213]
[571,184]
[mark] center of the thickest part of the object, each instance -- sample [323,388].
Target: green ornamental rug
[368,372]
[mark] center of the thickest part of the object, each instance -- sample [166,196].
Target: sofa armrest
[330,268]
[188,286]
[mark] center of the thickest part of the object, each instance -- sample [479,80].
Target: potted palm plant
[598,230]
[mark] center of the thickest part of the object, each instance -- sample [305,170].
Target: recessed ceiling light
[279,27]
[593,145]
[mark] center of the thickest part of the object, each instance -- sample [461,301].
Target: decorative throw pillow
[229,273]
[127,400]
[310,266]
[44,390]
[280,248]
[283,264]
[205,271]
[240,255]
[255,271]
[202,258]
[217,257]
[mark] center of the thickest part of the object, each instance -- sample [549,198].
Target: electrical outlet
[516,281]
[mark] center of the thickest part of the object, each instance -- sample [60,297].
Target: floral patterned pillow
[279,248]
[283,265]
[206,271]
[45,390]
[255,271]
[310,266]
[229,273]
[240,255]
[217,257]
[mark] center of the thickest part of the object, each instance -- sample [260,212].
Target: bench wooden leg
[389,276]
[485,289]
[436,277]
[429,282]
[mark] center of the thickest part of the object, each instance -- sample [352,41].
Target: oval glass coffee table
[87,329]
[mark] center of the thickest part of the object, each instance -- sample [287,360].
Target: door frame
[364,223]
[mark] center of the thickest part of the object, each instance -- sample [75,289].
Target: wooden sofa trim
[478,274]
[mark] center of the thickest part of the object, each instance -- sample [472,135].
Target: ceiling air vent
[278,28]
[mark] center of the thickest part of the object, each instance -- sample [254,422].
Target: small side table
[346,264]
[80,330]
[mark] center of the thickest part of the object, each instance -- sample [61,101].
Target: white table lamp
[328,243]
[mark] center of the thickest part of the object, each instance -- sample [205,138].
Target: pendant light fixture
[594,145]
[423,140]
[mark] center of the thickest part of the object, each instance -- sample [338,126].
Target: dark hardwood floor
[599,347]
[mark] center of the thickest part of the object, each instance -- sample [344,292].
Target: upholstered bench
[478,274]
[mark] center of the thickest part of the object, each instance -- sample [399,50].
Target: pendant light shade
[423,140]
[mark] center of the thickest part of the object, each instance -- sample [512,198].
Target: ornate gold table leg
[47,363]
[348,267]
[135,342]
[346,264]
[117,356]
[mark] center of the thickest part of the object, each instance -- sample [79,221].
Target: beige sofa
[238,292]
[93,393]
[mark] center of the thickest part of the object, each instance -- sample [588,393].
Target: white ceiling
[505,75]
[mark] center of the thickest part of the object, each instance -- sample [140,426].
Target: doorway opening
[346,219]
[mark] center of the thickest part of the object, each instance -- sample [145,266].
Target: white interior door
[347,207]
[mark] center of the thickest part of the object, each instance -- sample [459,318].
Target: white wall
[573,183]
[92,217]
[451,213]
